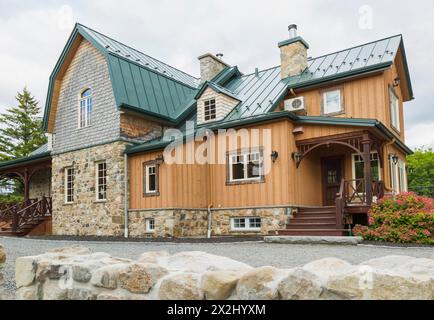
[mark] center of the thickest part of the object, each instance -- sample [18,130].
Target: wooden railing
[33,213]
[352,192]
[7,211]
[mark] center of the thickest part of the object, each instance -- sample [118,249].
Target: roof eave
[20,161]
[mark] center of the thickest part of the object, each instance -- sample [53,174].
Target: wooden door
[332,169]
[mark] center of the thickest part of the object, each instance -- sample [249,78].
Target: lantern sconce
[274,156]
[297,157]
[396,82]
[395,159]
[159,159]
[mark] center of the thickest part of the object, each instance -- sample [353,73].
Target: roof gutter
[30,159]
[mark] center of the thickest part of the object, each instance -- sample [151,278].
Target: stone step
[329,240]
[313,232]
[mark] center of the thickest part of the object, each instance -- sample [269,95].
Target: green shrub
[10,199]
[405,218]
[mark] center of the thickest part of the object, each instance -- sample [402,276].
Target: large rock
[300,285]
[71,250]
[260,284]
[157,257]
[2,255]
[185,286]
[219,285]
[25,271]
[107,277]
[326,267]
[403,265]
[199,262]
[140,277]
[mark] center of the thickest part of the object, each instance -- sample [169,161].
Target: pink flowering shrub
[405,218]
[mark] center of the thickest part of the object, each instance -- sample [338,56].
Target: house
[142,149]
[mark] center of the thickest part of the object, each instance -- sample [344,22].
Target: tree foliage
[421,171]
[20,128]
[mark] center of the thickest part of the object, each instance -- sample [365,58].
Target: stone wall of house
[272,219]
[194,223]
[86,216]
[169,223]
[40,185]
[140,129]
[88,69]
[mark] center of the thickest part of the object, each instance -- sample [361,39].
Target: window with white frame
[332,102]
[101,181]
[394,110]
[246,224]
[209,111]
[150,179]
[245,166]
[359,167]
[85,109]
[398,175]
[150,225]
[69,185]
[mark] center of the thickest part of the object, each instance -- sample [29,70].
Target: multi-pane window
[398,177]
[359,166]
[332,102]
[246,224]
[150,225]
[101,181]
[394,110]
[210,112]
[69,185]
[245,166]
[150,179]
[85,109]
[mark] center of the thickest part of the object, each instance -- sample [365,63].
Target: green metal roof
[217,88]
[139,81]
[29,159]
[41,149]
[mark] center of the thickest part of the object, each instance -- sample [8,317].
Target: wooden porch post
[366,142]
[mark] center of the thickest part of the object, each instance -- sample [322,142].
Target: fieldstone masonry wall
[181,223]
[75,273]
[86,216]
[40,185]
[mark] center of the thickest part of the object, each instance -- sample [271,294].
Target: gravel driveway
[253,253]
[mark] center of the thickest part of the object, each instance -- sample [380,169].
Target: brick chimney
[293,54]
[210,66]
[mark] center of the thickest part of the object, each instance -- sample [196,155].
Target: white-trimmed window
[150,179]
[69,185]
[101,181]
[398,175]
[150,225]
[332,102]
[394,110]
[85,109]
[246,224]
[359,166]
[246,166]
[209,110]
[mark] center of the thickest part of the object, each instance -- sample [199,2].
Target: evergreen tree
[21,128]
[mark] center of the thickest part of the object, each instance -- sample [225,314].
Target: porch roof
[29,160]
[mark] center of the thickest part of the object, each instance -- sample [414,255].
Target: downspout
[126,196]
[209,221]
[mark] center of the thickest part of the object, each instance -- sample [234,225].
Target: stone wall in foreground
[75,273]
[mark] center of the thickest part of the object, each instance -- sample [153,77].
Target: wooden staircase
[314,221]
[22,219]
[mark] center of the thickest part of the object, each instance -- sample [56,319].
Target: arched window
[85,110]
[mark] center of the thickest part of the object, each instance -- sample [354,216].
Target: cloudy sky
[33,33]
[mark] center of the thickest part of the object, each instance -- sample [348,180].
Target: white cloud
[420,135]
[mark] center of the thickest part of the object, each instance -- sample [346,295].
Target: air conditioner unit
[295,104]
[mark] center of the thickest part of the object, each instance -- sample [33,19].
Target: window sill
[149,195]
[100,201]
[68,203]
[395,129]
[241,182]
[246,231]
[333,114]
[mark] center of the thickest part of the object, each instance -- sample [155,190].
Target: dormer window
[210,112]
[85,109]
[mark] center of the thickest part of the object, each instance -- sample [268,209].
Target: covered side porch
[341,175]
[32,175]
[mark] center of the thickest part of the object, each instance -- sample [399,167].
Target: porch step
[316,209]
[313,219]
[304,226]
[315,215]
[313,232]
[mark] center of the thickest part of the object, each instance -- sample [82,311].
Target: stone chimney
[293,54]
[210,66]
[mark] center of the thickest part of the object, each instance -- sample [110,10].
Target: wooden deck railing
[34,212]
[352,192]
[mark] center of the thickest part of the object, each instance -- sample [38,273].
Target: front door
[332,173]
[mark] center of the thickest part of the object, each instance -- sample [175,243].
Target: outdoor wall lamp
[159,159]
[395,159]
[274,156]
[296,156]
[396,81]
